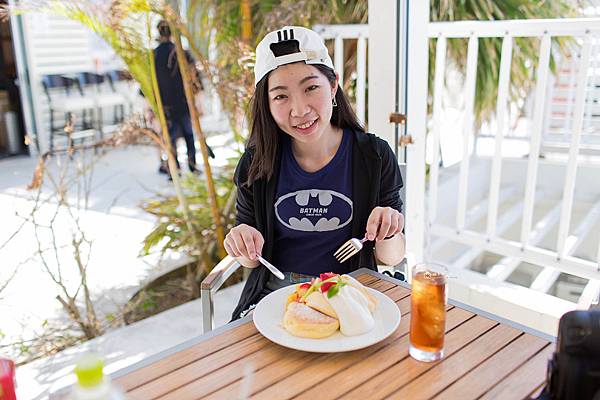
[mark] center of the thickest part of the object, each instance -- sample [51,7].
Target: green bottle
[92,384]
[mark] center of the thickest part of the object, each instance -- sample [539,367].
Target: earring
[334,102]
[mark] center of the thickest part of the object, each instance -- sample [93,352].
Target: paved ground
[114,221]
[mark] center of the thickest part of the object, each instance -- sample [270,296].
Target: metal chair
[122,83]
[101,89]
[66,98]
[209,286]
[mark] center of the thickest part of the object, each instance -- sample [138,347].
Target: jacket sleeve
[391,178]
[244,204]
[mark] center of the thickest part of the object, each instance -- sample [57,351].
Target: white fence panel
[360,33]
[562,195]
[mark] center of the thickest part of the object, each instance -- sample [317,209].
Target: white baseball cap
[309,47]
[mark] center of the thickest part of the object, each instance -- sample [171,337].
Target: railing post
[338,54]
[569,188]
[536,137]
[361,72]
[501,115]
[438,93]
[468,113]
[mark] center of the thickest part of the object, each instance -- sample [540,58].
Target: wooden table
[486,357]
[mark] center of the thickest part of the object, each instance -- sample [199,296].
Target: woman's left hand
[384,222]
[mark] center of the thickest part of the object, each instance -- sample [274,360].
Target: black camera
[574,370]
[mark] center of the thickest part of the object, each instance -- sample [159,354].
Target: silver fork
[348,249]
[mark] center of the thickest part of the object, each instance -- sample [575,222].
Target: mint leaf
[333,291]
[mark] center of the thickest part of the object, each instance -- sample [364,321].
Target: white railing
[360,33]
[561,101]
[559,115]
[560,259]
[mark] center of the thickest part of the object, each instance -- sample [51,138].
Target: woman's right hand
[244,241]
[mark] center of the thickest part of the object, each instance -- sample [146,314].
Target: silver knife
[271,267]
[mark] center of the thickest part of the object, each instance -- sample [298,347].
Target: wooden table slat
[351,367]
[367,279]
[487,374]
[456,365]
[404,368]
[381,285]
[397,293]
[185,357]
[244,368]
[200,368]
[530,375]
[265,377]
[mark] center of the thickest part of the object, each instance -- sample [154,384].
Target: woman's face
[300,101]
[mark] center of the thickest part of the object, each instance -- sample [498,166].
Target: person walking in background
[172,94]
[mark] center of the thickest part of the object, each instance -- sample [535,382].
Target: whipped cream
[352,309]
[356,284]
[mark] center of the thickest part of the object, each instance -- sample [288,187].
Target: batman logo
[314,210]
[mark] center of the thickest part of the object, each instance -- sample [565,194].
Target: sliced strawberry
[326,285]
[327,275]
[302,289]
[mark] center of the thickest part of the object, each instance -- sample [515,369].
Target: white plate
[268,318]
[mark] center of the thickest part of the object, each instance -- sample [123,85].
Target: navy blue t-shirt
[169,79]
[313,212]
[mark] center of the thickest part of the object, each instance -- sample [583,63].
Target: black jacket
[376,181]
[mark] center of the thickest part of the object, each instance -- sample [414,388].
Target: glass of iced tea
[428,311]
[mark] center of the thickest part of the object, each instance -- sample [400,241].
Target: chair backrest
[112,77]
[56,83]
[90,80]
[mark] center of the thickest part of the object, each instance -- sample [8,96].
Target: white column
[418,50]
[22,60]
[381,71]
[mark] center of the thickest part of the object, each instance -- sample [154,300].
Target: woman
[310,178]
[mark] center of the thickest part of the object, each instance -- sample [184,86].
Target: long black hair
[265,134]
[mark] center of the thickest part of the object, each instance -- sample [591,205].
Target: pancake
[317,301]
[302,321]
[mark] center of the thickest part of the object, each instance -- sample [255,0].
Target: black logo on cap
[284,34]
[286,43]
